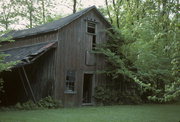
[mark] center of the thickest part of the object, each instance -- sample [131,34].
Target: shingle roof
[26,54]
[52,26]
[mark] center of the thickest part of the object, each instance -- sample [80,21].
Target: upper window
[91,27]
[70,81]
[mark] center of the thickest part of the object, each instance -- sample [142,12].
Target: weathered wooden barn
[56,59]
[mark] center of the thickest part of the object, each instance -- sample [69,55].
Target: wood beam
[32,93]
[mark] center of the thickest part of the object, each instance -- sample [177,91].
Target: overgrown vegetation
[144,46]
[44,103]
[109,96]
[4,66]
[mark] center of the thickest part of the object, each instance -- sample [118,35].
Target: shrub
[108,96]
[47,102]
[29,105]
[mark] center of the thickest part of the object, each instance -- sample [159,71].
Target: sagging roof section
[28,54]
[52,26]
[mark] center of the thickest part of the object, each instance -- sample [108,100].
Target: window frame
[95,28]
[70,82]
[94,38]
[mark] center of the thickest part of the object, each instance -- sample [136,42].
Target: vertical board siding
[41,75]
[74,42]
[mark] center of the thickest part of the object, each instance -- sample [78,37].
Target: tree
[8,13]
[45,11]
[108,11]
[36,12]
[28,12]
[147,36]
[4,66]
[74,6]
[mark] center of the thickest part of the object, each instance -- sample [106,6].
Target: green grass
[122,113]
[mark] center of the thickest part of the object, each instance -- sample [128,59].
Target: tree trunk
[116,9]
[30,19]
[74,6]
[43,12]
[30,12]
[6,23]
[108,12]
[164,14]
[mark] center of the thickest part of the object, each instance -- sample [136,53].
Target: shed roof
[52,26]
[27,54]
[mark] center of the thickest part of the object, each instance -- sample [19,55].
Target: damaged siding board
[90,58]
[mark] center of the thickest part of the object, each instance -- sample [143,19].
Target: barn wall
[29,40]
[41,75]
[74,42]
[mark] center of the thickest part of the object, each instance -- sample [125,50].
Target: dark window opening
[91,30]
[94,42]
[67,78]
[70,81]
[91,27]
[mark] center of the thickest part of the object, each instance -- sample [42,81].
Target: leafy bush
[108,96]
[47,102]
[29,105]
[148,38]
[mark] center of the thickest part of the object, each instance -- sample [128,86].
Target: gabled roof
[27,54]
[53,26]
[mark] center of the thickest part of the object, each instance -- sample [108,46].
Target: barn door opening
[87,88]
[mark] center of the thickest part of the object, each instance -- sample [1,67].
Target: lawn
[122,113]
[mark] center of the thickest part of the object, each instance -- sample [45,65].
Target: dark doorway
[87,88]
[13,87]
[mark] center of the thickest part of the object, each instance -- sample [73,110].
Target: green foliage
[4,66]
[8,13]
[109,96]
[29,12]
[47,102]
[29,105]
[145,47]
